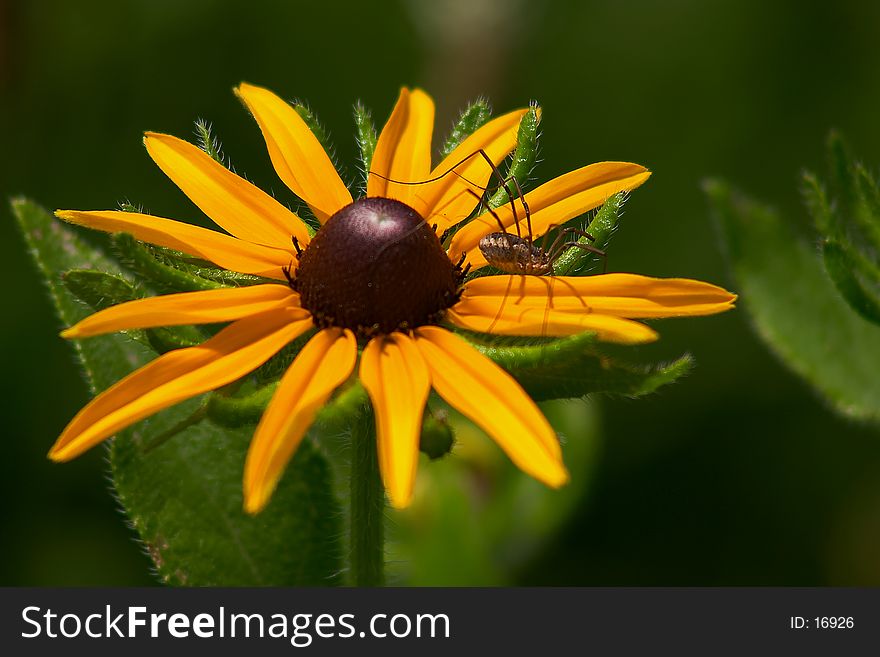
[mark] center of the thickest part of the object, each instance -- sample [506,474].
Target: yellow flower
[375,274]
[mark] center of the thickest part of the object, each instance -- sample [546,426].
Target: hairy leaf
[184,495]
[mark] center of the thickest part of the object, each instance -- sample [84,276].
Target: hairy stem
[367,505]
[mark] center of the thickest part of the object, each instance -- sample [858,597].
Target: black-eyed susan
[376,283]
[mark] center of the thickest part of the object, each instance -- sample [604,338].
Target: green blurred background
[737,475]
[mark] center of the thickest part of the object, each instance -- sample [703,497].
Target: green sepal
[184,497]
[311,120]
[576,261]
[575,366]
[472,118]
[524,157]
[365,134]
[209,142]
[100,290]
[241,409]
[795,307]
[167,270]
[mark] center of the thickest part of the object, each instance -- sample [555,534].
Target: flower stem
[367,505]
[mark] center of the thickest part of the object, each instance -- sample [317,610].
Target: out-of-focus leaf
[184,496]
[856,278]
[476,518]
[796,308]
[849,223]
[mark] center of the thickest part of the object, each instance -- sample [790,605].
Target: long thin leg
[503,183]
[577,231]
[554,256]
[489,210]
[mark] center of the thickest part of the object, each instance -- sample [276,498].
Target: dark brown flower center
[376,267]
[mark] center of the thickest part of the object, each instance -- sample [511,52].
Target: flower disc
[376,267]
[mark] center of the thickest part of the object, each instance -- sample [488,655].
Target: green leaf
[524,157]
[795,307]
[472,118]
[184,496]
[574,367]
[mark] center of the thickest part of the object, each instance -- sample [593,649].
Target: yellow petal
[623,295]
[178,375]
[220,305]
[447,201]
[397,380]
[493,400]
[403,150]
[232,202]
[496,315]
[223,250]
[552,204]
[297,155]
[324,364]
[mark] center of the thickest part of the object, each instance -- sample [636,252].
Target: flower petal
[236,205]
[552,204]
[623,295]
[495,315]
[324,364]
[220,305]
[297,155]
[223,250]
[397,380]
[178,375]
[493,400]
[447,201]
[403,150]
